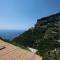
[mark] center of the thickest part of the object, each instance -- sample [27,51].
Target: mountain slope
[44,36]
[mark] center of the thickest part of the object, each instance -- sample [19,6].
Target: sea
[10,34]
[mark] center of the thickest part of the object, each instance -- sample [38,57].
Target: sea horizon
[10,34]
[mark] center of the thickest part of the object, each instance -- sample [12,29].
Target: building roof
[11,52]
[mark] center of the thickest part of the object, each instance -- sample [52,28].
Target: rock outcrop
[47,29]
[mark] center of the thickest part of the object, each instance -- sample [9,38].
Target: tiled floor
[12,52]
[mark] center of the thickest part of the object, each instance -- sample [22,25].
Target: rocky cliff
[45,34]
[52,23]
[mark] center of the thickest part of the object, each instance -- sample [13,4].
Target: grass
[52,56]
[16,44]
[19,45]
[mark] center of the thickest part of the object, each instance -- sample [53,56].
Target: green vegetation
[14,43]
[52,56]
[44,36]
[19,45]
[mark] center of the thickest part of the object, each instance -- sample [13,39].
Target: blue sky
[23,14]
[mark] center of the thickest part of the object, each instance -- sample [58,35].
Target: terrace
[11,52]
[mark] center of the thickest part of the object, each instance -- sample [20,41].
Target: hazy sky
[23,14]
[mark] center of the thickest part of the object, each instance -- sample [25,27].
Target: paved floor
[12,52]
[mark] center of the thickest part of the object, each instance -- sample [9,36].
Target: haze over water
[10,34]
